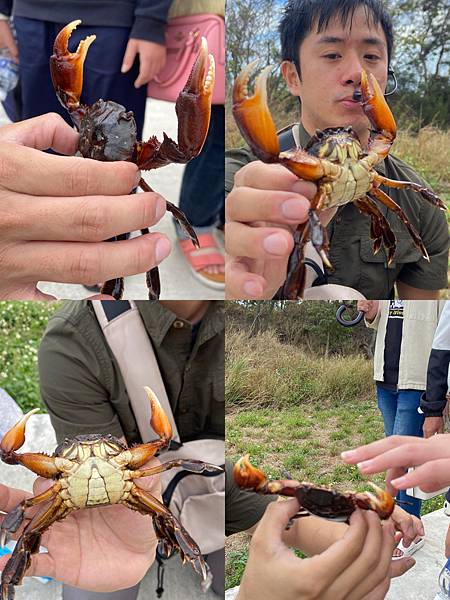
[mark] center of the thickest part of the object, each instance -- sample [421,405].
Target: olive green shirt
[351,249]
[84,391]
[181,8]
[243,509]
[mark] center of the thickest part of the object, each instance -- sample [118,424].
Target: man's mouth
[352,101]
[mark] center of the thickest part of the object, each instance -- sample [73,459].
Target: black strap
[321,278]
[115,309]
[286,139]
[168,492]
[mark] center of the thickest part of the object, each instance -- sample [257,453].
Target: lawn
[299,435]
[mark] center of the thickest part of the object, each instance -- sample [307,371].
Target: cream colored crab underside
[93,474]
[354,181]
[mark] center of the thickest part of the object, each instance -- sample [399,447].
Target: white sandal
[410,550]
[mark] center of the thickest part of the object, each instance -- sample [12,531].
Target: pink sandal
[207,255]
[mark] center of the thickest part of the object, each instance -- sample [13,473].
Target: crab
[317,500]
[114,469]
[108,130]
[335,160]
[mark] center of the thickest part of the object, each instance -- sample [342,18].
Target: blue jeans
[399,410]
[202,196]
[102,76]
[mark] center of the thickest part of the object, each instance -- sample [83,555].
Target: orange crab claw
[248,476]
[193,105]
[379,114]
[381,502]
[15,437]
[159,420]
[67,67]
[252,114]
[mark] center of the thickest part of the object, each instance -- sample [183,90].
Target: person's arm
[434,399]
[423,280]
[58,210]
[147,40]
[408,292]
[73,375]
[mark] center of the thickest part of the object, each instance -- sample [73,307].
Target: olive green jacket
[351,249]
[83,388]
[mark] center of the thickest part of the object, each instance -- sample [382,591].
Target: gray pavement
[180,582]
[177,281]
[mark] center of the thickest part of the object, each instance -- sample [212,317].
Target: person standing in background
[405,331]
[128,52]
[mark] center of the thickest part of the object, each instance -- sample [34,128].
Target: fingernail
[160,207]
[364,466]
[123,68]
[410,562]
[137,179]
[348,454]
[162,249]
[253,289]
[295,208]
[275,244]
[398,481]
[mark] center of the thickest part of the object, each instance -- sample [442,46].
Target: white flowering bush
[22,325]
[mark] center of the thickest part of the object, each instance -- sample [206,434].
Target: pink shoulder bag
[183,37]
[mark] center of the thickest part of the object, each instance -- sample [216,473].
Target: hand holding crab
[108,131]
[335,161]
[93,471]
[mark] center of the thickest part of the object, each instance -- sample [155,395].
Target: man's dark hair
[300,16]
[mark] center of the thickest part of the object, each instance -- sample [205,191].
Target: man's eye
[332,56]
[371,57]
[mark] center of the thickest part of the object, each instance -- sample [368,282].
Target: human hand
[432,425]
[57,210]
[398,452]
[97,549]
[409,525]
[7,40]
[152,58]
[369,307]
[355,567]
[262,211]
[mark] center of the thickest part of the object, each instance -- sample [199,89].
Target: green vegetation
[22,325]
[294,413]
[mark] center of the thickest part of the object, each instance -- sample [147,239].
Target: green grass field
[22,325]
[322,407]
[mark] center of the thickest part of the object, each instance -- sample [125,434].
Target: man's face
[331,63]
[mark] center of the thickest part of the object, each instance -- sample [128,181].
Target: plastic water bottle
[9,73]
[444,583]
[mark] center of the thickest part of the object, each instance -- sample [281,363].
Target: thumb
[129,56]
[275,519]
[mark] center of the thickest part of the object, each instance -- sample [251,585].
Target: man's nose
[351,74]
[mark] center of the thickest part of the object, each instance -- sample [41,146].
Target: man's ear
[291,77]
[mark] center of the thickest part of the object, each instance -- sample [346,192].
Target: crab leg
[379,114]
[27,545]
[169,531]
[193,108]
[41,464]
[380,230]
[13,520]
[313,230]
[427,194]
[193,466]
[384,199]
[66,69]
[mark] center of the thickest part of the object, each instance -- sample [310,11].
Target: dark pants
[102,77]
[202,194]
[399,410]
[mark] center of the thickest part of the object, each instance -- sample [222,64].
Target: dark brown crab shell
[324,142]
